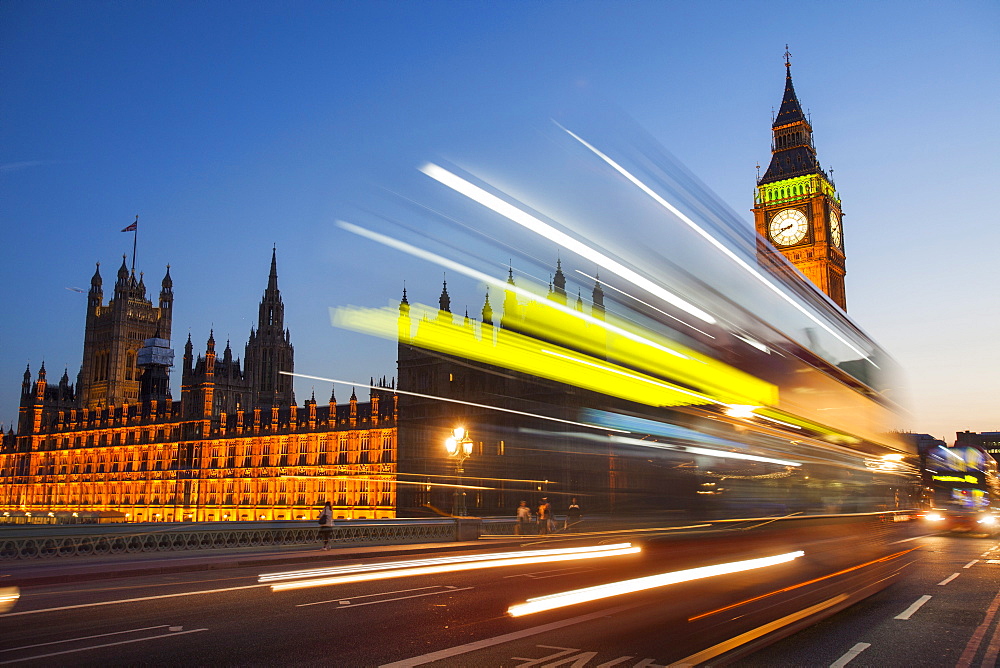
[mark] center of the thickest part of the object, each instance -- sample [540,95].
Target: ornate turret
[487,310]
[96,296]
[792,152]
[269,351]
[511,309]
[559,284]
[444,301]
[597,298]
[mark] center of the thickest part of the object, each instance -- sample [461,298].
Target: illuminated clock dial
[836,235]
[788,227]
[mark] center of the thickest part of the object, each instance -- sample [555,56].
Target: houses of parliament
[237,446]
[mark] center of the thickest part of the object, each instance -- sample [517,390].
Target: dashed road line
[850,654]
[346,603]
[948,579]
[906,614]
[110,644]
[131,600]
[971,563]
[99,635]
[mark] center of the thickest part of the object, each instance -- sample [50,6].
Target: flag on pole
[132,228]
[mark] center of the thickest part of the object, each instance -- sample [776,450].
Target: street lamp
[459,446]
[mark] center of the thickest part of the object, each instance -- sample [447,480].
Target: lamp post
[459,446]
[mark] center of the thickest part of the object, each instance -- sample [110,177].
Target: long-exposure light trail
[619,372]
[500,285]
[644,303]
[455,401]
[368,572]
[526,220]
[708,452]
[715,242]
[576,596]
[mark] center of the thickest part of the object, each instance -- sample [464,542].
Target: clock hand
[786,227]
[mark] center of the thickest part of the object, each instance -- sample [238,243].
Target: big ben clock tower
[796,205]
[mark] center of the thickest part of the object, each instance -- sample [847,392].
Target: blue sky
[229,127]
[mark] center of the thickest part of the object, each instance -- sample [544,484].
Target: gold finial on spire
[788,58]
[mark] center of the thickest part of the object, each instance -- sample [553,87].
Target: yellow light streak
[526,220]
[598,592]
[607,337]
[513,350]
[364,573]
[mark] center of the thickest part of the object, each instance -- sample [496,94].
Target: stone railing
[54,541]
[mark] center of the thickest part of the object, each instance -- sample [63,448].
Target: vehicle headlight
[987,519]
[934,517]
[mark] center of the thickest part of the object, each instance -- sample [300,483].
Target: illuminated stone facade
[235,447]
[797,207]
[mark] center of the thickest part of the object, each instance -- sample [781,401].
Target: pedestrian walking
[573,513]
[523,519]
[326,525]
[544,517]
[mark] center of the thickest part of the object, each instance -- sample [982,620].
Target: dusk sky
[232,127]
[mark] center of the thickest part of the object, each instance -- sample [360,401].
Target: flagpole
[135,236]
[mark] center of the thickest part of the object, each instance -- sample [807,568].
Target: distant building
[235,447]
[987,440]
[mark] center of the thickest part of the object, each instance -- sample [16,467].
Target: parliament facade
[236,446]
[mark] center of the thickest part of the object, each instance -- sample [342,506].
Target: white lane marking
[347,600]
[110,644]
[130,600]
[906,614]
[907,540]
[850,654]
[971,563]
[993,561]
[558,572]
[99,635]
[507,637]
[948,579]
[348,604]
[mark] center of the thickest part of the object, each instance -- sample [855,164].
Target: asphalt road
[460,618]
[941,613]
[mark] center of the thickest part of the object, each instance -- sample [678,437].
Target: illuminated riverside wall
[143,460]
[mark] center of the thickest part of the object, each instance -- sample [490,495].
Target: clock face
[788,227]
[836,235]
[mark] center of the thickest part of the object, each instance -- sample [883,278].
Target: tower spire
[445,301]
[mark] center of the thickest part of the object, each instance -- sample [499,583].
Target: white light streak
[454,401]
[715,242]
[526,220]
[695,450]
[587,594]
[644,303]
[411,563]
[741,411]
[385,571]
[756,344]
[501,285]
